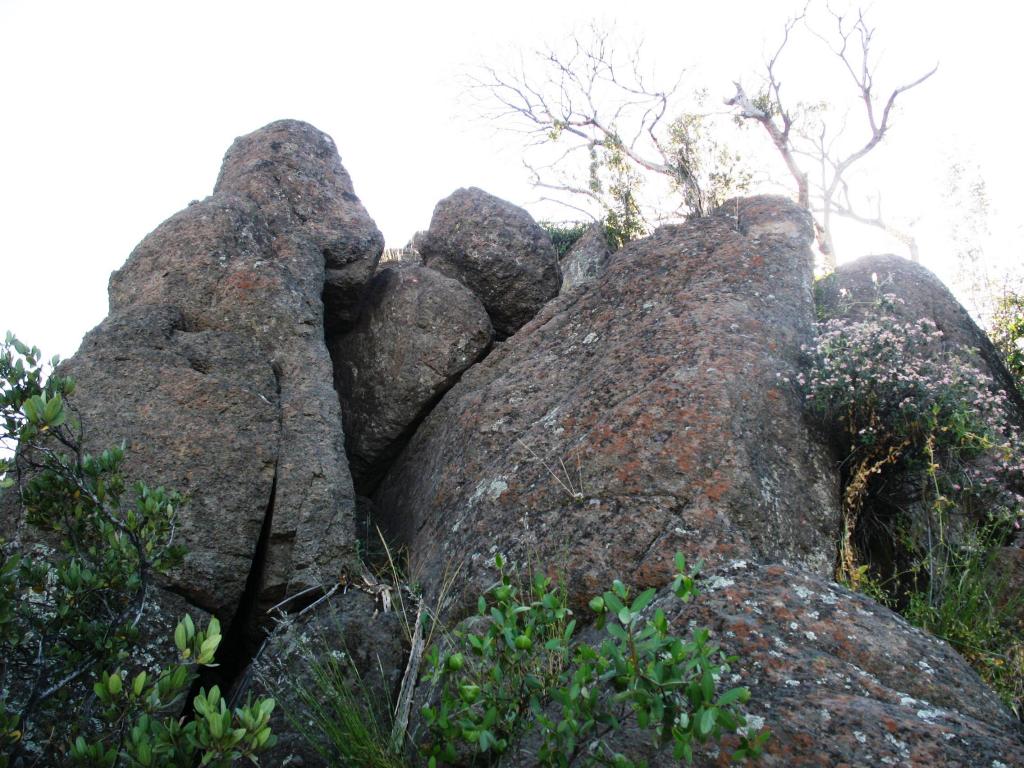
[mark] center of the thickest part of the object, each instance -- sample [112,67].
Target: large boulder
[653,413]
[199,411]
[292,171]
[497,250]
[837,678]
[213,366]
[586,258]
[417,333]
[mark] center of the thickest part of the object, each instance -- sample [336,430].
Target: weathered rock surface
[293,173]
[586,259]
[840,680]
[349,637]
[851,293]
[497,250]
[199,411]
[647,415]
[418,331]
[215,350]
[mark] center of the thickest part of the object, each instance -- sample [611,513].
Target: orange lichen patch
[243,282]
[627,472]
[715,491]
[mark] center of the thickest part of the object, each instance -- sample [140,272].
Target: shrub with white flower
[905,403]
[898,394]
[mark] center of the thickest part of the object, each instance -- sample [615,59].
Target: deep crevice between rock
[248,629]
[369,481]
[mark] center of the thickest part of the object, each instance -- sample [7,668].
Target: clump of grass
[979,615]
[337,718]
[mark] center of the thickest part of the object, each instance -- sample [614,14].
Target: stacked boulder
[498,251]
[487,269]
[213,366]
[647,415]
[657,412]
[654,412]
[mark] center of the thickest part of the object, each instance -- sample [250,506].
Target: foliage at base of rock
[137,730]
[519,682]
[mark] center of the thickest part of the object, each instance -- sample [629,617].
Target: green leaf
[732,696]
[706,722]
[643,600]
[179,637]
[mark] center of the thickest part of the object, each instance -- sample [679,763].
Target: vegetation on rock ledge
[909,411]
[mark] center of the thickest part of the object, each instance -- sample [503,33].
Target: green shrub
[72,605]
[1007,332]
[517,671]
[564,235]
[138,731]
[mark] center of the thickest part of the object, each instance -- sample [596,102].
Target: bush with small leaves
[518,670]
[138,731]
[1007,332]
[903,402]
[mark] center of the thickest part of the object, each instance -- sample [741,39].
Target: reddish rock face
[838,679]
[651,414]
[292,171]
[418,331]
[497,250]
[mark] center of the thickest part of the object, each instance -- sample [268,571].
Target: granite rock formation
[215,348]
[417,333]
[497,250]
[652,413]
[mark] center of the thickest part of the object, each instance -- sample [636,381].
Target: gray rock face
[497,250]
[293,173]
[586,259]
[648,415]
[215,350]
[200,413]
[417,333]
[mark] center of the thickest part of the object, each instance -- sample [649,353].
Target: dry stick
[412,670]
[576,495]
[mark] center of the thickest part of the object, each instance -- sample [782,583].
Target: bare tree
[805,139]
[604,129]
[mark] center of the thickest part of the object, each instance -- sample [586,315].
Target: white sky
[116,115]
